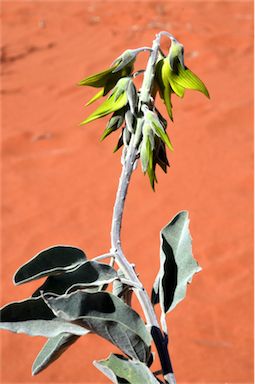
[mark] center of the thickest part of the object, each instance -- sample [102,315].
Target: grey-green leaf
[117,368]
[155,290]
[86,275]
[52,350]
[177,265]
[50,261]
[35,318]
[106,315]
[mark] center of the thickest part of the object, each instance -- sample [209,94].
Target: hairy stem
[116,248]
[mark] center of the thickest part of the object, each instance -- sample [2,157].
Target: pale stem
[104,256]
[116,248]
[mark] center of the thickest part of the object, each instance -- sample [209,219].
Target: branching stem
[116,248]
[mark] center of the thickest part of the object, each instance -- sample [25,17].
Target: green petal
[108,106]
[165,90]
[145,153]
[99,79]
[107,78]
[163,135]
[114,123]
[96,97]
[160,155]
[177,88]
[151,171]
[187,79]
[167,101]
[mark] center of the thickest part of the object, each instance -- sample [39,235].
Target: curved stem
[116,248]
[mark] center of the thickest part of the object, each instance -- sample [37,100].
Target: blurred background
[59,182]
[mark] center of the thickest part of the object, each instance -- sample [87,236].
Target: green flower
[106,79]
[172,76]
[117,100]
[121,67]
[114,123]
[153,145]
[152,120]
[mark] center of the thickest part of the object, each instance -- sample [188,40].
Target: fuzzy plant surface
[80,296]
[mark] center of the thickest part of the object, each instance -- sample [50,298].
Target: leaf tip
[14,280]
[35,371]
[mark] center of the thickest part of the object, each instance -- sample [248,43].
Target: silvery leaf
[106,315]
[177,265]
[87,274]
[34,317]
[117,368]
[52,350]
[50,261]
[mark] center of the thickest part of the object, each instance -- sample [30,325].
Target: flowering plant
[81,296]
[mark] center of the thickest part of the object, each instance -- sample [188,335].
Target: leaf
[107,316]
[117,367]
[88,274]
[50,261]
[187,79]
[52,350]
[155,290]
[177,265]
[33,317]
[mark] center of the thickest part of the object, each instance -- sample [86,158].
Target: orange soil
[59,182]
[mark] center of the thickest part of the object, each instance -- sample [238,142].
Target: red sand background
[59,182]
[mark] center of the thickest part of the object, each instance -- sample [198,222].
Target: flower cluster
[171,77]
